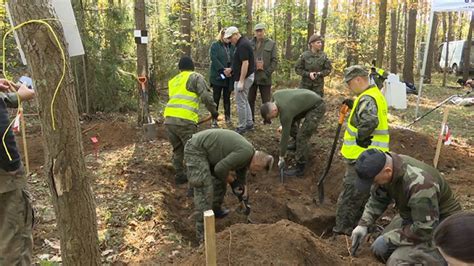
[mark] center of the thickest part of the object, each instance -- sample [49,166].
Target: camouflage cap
[260,26]
[354,71]
[368,165]
[314,38]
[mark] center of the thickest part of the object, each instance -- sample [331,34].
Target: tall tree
[324,19]
[142,59]
[352,49]
[393,40]
[65,170]
[185,23]
[410,43]
[467,49]
[288,8]
[447,33]
[311,18]
[430,59]
[382,29]
[249,18]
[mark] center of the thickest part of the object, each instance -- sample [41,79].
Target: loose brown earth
[145,219]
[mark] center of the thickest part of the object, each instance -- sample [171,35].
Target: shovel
[149,126]
[342,114]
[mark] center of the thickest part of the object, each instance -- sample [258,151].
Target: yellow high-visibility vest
[182,103]
[381,138]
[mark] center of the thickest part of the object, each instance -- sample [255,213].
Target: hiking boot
[214,124]
[298,170]
[240,130]
[221,213]
[180,179]
[227,119]
[291,146]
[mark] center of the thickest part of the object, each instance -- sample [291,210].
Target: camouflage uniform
[180,130]
[350,203]
[423,199]
[16,214]
[313,62]
[210,155]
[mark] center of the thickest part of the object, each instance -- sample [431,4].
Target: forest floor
[144,219]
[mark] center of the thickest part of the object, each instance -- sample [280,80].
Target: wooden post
[210,237]
[23,136]
[440,138]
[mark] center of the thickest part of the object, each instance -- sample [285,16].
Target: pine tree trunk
[185,24]
[311,18]
[393,40]
[142,59]
[288,30]
[431,56]
[382,30]
[249,18]
[324,19]
[64,167]
[410,44]
[467,50]
[447,31]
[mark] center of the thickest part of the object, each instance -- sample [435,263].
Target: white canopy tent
[440,6]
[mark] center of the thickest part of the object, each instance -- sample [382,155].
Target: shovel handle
[142,80]
[342,113]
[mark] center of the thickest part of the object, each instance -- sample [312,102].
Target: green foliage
[144,213]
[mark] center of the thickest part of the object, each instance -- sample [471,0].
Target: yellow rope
[63,56]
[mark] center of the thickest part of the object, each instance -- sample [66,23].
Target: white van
[455,56]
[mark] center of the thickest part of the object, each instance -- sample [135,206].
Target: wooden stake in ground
[210,237]
[440,138]
[23,136]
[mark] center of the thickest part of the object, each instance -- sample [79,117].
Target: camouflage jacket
[196,83]
[313,62]
[365,117]
[421,195]
[8,181]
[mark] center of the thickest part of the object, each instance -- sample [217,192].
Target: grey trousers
[243,107]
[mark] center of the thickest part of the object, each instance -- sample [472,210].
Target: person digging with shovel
[181,112]
[292,105]
[367,128]
[210,156]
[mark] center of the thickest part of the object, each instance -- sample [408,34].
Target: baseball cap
[260,26]
[368,165]
[354,71]
[230,31]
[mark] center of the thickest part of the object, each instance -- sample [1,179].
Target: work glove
[281,162]
[349,103]
[238,189]
[358,234]
[364,143]
[382,249]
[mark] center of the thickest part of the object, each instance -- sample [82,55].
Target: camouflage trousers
[350,204]
[178,135]
[318,88]
[209,191]
[16,221]
[303,134]
[421,254]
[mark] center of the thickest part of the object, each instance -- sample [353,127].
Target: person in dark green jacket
[310,106]
[422,197]
[220,77]
[266,61]
[212,157]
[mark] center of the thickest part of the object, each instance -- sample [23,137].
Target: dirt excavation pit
[281,243]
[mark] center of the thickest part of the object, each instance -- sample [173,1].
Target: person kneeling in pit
[421,195]
[210,156]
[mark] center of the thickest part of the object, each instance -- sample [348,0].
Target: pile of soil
[281,243]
